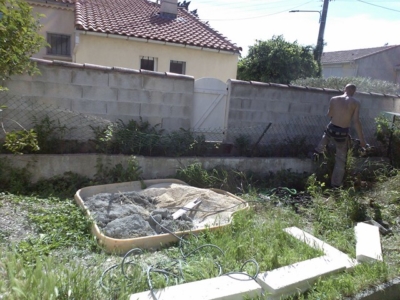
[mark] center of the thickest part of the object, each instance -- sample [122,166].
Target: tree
[278,61]
[19,38]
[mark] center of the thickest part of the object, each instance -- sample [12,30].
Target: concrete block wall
[167,99]
[295,110]
[109,93]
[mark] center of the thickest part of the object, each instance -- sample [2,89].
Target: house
[381,63]
[135,34]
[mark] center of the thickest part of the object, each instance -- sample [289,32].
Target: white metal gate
[209,107]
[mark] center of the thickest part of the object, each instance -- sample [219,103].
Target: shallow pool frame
[122,246]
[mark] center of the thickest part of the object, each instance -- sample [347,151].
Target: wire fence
[74,131]
[24,113]
[309,128]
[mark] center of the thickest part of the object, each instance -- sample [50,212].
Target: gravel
[131,215]
[14,222]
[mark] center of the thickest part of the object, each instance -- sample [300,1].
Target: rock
[127,215]
[382,229]
[173,226]
[128,227]
[164,212]
[104,215]
[185,217]
[154,219]
[135,197]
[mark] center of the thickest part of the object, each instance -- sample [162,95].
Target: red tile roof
[351,55]
[142,19]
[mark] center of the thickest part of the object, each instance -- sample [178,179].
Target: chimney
[169,8]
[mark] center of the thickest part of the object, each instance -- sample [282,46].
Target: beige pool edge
[121,246]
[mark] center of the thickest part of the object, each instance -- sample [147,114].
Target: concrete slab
[383,230]
[298,277]
[368,247]
[186,208]
[318,244]
[232,287]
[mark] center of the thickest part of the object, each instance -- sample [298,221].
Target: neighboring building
[58,28]
[381,63]
[135,34]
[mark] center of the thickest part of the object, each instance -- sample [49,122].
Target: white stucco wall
[57,19]
[339,70]
[380,66]
[398,75]
[118,52]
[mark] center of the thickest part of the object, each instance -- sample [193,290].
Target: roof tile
[351,55]
[142,19]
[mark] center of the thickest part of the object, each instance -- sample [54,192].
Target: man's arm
[357,125]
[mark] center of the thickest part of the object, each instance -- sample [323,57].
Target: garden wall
[109,93]
[48,166]
[294,110]
[266,112]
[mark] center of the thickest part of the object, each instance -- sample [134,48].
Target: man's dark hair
[351,86]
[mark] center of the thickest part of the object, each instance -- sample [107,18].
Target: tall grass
[46,279]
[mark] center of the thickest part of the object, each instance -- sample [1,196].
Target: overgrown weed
[47,279]
[58,223]
[106,173]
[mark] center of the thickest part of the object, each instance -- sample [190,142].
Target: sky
[350,24]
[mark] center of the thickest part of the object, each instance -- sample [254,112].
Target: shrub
[51,135]
[388,133]
[12,179]
[363,84]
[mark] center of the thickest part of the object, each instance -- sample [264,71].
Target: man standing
[342,110]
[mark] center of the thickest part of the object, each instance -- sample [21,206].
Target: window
[148,63]
[178,67]
[60,44]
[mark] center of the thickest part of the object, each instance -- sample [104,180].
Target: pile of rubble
[151,211]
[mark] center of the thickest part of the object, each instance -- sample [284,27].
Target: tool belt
[339,134]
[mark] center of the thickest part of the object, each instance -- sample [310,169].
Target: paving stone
[298,277]
[233,287]
[321,245]
[368,247]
